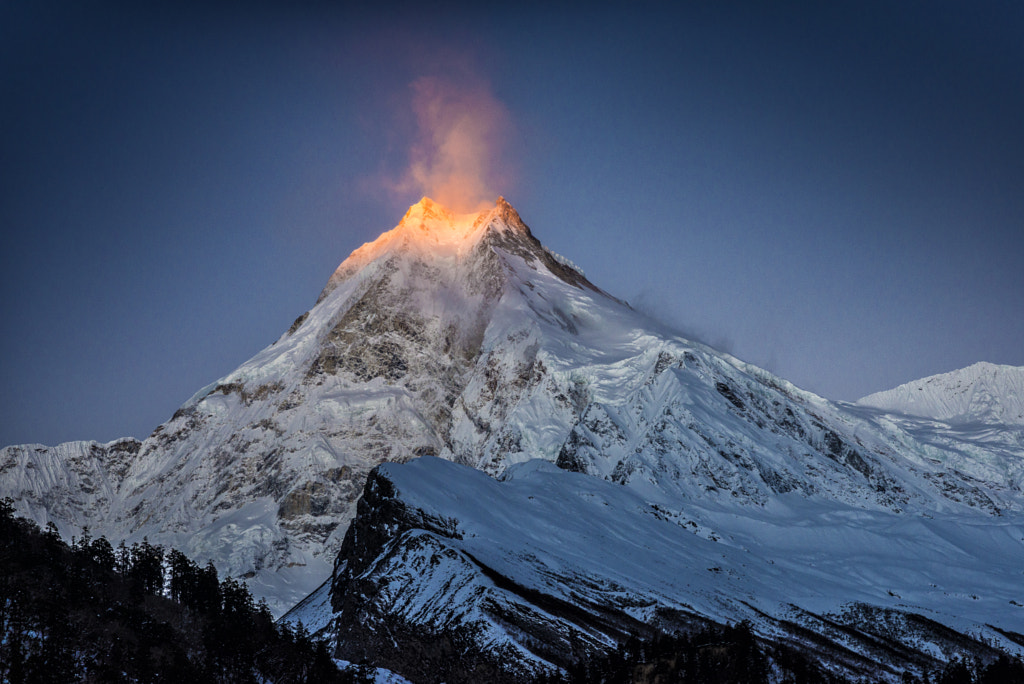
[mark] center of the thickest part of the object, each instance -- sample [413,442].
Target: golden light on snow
[455,158]
[430,221]
[433,229]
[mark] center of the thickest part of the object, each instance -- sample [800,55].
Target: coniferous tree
[123,560]
[102,554]
[956,672]
[1003,669]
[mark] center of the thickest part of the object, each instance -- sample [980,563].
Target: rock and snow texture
[67,483]
[403,354]
[449,575]
[983,393]
[460,336]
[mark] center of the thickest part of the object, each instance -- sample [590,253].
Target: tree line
[733,655]
[89,612]
[728,654]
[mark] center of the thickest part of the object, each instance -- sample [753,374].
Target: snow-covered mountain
[982,393]
[461,337]
[403,354]
[449,575]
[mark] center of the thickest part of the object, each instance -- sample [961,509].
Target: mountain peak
[980,393]
[429,227]
[430,222]
[428,209]
[428,216]
[507,212]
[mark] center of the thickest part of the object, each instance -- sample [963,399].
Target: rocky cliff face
[463,338]
[408,594]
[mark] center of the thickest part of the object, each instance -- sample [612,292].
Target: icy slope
[974,417]
[982,393]
[64,484]
[460,336]
[544,566]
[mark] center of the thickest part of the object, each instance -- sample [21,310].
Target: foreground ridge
[559,569]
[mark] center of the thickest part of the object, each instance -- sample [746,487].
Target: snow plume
[455,159]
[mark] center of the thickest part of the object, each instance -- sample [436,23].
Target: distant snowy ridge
[981,393]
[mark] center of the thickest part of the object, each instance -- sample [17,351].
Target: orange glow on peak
[430,222]
[430,227]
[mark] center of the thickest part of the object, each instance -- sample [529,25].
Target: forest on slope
[88,612]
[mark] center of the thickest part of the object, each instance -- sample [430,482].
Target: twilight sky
[832,190]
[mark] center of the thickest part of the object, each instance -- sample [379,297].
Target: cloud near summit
[457,155]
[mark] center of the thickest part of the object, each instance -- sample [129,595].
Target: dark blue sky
[834,191]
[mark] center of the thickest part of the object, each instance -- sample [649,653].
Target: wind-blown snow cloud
[456,158]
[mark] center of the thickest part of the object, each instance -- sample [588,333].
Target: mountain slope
[464,338]
[261,469]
